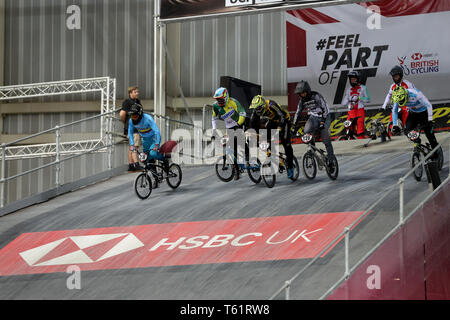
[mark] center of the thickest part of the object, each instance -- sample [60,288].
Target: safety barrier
[345,234]
[412,261]
[61,151]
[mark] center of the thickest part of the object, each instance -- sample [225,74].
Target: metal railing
[65,151]
[99,145]
[346,232]
[386,237]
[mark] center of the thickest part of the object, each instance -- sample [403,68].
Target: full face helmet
[258,104]
[400,96]
[221,96]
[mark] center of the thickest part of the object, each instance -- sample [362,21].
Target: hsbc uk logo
[181,243]
[81,249]
[417,56]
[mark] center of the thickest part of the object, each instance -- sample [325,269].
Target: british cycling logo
[420,63]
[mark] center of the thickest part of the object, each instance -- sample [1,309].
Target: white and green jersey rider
[233,113]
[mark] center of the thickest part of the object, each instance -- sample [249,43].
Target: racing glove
[322,125]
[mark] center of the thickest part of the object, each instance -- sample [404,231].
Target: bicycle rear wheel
[440,158]
[225,171]
[143,186]
[174,176]
[333,171]
[415,159]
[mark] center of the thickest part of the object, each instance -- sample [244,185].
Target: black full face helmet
[303,86]
[354,74]
[397,70]
[136,109]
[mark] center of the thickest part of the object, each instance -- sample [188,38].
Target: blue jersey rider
[149,131]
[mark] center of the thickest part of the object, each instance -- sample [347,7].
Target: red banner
[184,243]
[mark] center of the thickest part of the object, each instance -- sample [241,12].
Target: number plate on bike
[413,135]
[142,156]
[307,138]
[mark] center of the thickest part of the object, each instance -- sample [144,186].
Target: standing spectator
[133,98]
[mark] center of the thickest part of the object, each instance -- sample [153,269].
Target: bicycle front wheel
[143,186]
[174,176]
[254,171]
[225,171]
[268,174]
[309,165]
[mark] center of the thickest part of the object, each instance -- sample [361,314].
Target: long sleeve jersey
[356,97]
[417,102]
[233,113]
[146,127]
[315,105]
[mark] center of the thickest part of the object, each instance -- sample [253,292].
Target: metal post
[172,68]
[110,142]
[347,240]
[401,213]
[3,181]
[155,56]
[288,290]
[102,110]
[58,164]
[161,108]
[111,124]
[203,117]
[167,128]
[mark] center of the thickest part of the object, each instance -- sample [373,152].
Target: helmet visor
[402,101]
[400,96]
[220,101]
[259,110]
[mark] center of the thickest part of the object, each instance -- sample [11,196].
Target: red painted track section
[185,243]
[413,264]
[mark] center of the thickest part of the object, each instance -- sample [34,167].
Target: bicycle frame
[424,149]
[154,171]
[318,153]
[229,152]
[349,127]
[414,136]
